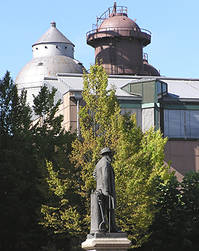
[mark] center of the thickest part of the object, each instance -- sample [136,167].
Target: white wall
[52,49]
[147,118]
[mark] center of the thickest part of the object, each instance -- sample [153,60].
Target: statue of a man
[103,214]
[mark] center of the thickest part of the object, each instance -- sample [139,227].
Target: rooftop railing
[117,30]
[112,10]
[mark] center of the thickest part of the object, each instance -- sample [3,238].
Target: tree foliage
[176,223]
[138,163]
[138,157]
[15,114]
[155,209]
[19,194]
[24,149]
[52,146]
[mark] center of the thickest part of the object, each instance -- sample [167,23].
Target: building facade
[169,104]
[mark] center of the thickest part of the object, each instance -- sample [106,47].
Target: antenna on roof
[114,8]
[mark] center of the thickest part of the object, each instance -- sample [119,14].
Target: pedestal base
[107,241]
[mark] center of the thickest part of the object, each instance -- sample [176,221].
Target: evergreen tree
[19,194]
[24,148]
[47,129]
[52,146]
[15,114]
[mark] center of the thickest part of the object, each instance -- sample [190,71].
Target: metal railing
[118,30]
[121,69]
[119,9]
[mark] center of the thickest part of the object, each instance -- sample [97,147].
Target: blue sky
[174,25]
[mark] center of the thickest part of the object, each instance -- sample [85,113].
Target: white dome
[41,67]
[32,75]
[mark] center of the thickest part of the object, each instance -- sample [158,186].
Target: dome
[41,67]
[117,24]
[119,21]
[149,70]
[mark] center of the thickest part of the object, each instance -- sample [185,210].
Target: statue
[104,234]
[103,200]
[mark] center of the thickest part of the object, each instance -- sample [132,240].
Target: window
[181,123]
[164,88]
[161,88]
[135,111]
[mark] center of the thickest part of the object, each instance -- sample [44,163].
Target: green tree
[167,223]
[138,159]
[176,223]
[15,115]
[18,191]
[24,148]
[138,163]
[53,146]
[49,136]
[190,209]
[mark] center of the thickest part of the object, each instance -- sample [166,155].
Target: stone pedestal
[107,242]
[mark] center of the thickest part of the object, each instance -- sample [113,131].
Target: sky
[174,25]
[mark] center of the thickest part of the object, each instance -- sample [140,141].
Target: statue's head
[105,150]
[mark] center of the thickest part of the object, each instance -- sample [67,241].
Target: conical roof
[53,35]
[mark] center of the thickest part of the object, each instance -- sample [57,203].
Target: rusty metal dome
[148,69]
[115,23]
[119,21]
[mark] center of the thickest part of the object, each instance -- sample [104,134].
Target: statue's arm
[106,176]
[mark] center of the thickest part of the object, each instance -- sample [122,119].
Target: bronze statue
[103,200]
